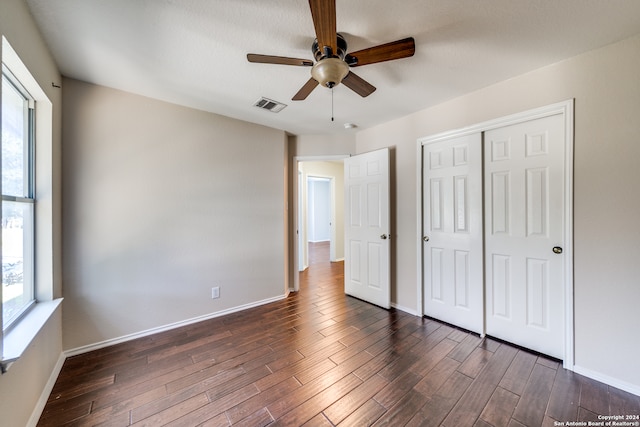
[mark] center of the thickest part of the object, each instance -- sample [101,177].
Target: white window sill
[18,338]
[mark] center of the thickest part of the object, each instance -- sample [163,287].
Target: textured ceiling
[193,52]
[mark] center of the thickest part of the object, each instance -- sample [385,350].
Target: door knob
[383,236]
[557,250]
[425,239]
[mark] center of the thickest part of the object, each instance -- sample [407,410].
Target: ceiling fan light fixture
[332,60]
[329,72]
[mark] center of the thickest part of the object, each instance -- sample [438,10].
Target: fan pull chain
[331,104]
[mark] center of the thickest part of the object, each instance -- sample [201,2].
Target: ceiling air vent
[269,104]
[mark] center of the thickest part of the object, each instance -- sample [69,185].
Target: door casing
[296,215]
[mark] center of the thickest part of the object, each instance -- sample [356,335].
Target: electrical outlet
[215,292]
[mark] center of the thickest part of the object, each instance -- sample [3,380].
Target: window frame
[27,198]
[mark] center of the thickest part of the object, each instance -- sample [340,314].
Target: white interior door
[452,225]
[524,205]
[366,268]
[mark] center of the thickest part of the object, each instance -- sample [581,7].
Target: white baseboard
[405,309]
[46,391]
[613,382]
[113,341]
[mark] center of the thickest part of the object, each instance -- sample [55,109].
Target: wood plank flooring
[320,358]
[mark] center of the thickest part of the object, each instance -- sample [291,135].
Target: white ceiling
[193,52]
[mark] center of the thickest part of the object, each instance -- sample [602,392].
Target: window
[27,294]
[17,199]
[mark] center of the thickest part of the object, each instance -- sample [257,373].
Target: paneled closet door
[524,196]
[452,225]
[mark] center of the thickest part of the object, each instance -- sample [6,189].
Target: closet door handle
[557,250]
[425,239]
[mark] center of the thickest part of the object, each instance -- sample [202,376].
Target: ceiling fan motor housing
[319,52]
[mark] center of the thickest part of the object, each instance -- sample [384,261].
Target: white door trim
[295,226]
[566,109]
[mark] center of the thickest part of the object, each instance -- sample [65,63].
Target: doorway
[361,215]
[320,209]
[320,171]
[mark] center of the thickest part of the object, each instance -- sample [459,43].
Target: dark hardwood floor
[319,358]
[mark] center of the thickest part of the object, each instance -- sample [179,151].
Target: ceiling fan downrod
[332,104]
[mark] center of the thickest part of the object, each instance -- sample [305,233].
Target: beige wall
[324,145]
[161,203]
[606,89]
[23,384]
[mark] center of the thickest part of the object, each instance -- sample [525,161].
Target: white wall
[22,386]
[606,89]
[161,203]
[319,209]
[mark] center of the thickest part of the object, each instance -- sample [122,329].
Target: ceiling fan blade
[305,90]
[385,52]
[358,84]
[283,60]
[323,13]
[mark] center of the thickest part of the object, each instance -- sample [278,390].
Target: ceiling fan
[333,63]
